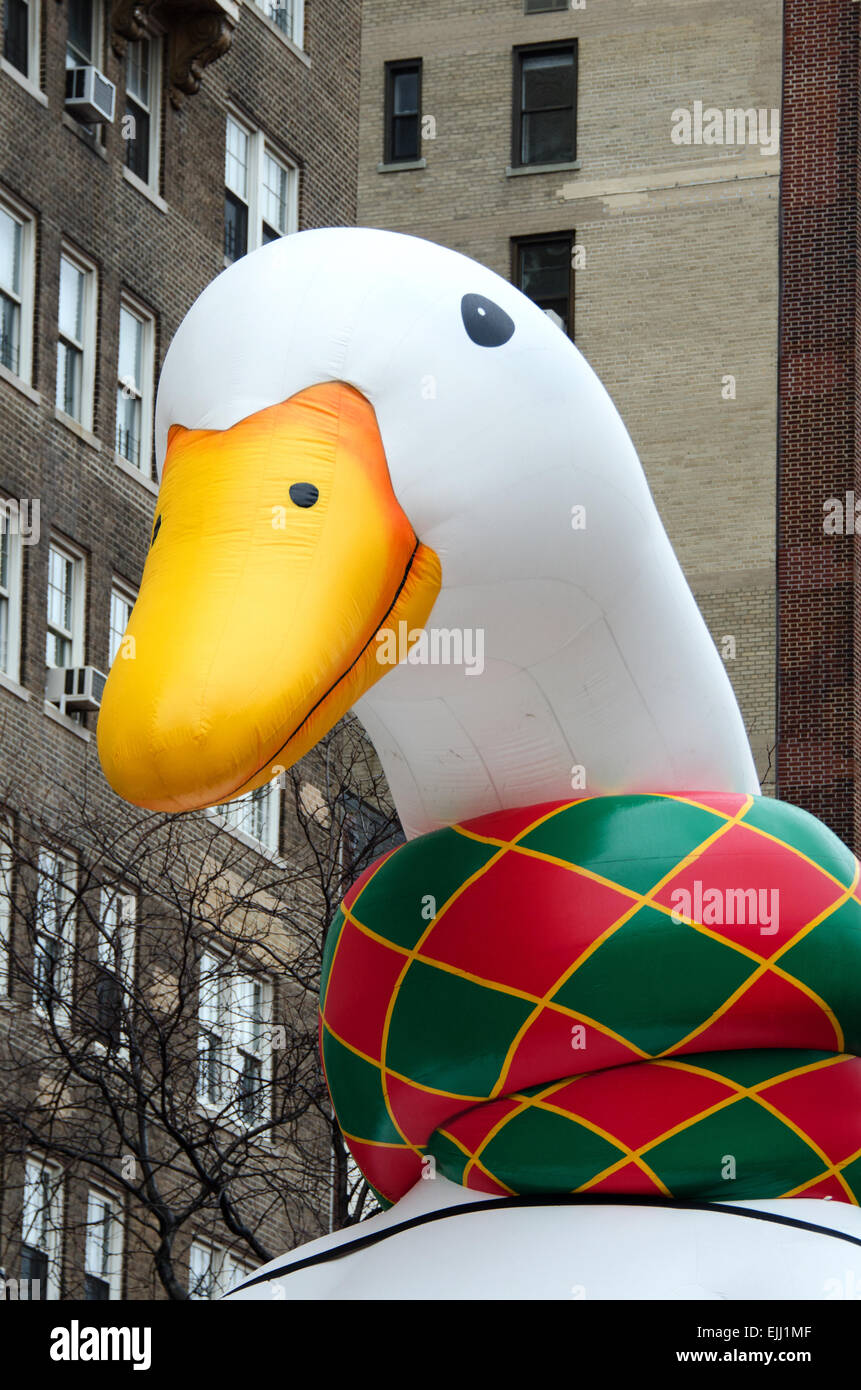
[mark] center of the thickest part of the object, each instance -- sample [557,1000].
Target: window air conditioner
[89,95]
[76,688]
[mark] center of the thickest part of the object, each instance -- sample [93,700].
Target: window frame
[77,633]
[64,936]
[257,148]
[154,109]
[33,73]
[34,1169]
[86,346]
[539,238]
[296,36]
[223,1268]
[96,36]
[392,69]
[13,597]
[116,947]
[124,594]
[111,1261]
[146,392]
[220,1017]
[519,52]
[26,299]
[232,813]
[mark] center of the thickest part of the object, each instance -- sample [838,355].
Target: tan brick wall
[681,246]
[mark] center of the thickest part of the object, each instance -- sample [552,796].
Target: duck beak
[279,552]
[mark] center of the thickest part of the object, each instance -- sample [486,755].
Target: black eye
[484,321]
[304,494]
[155,529]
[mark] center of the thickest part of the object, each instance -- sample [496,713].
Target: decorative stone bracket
[199,32]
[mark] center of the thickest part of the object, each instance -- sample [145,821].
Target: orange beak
[279,552]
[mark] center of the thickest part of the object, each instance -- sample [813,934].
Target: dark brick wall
[819,665]
[75,188]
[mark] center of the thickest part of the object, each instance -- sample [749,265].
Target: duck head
[358,431]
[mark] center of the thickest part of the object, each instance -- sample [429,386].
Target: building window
[21,37]
[122,603]
[76,348]
[234,1046]
[403,110]
[543,271]
[260,198]
[256,814]
[213,1271]
[41,1230]
[134,388]
[141,127]
[116,955]
[54,934]
[545,104]
[16,290]
[65,629]
[103,1249]
[366,833]
[6,864]
[83,33]
[286,15]
[10,598]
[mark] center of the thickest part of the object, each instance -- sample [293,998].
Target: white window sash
[234,1011]
[27,293]
[119,598]
[103,1248]
[55,913]
[42,1214]
[86,345]
[258,147]
[10,602]
[142,389]
[74,634]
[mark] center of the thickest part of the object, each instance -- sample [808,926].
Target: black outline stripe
[339,1252]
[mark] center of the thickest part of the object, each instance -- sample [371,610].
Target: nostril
[304,494]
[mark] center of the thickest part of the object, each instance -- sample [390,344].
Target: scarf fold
[637,994]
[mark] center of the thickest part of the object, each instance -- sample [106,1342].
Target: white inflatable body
[746,1250]
[513,465]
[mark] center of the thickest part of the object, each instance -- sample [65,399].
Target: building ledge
[35,92]
[401,164]
[75,427]
[20,385]
[515,170]
[139,477]
[289,43]
[66,723]
[199,33]
[145,189]
[86,134]
[7,683]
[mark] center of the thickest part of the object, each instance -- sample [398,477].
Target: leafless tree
[159,1031]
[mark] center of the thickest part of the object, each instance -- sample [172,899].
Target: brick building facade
[819,617]
[673,246]
[109,231]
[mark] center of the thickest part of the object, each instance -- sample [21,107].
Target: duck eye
[155,530]
[304,494]
[484,321]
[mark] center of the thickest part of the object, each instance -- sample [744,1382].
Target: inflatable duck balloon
[591,1031]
